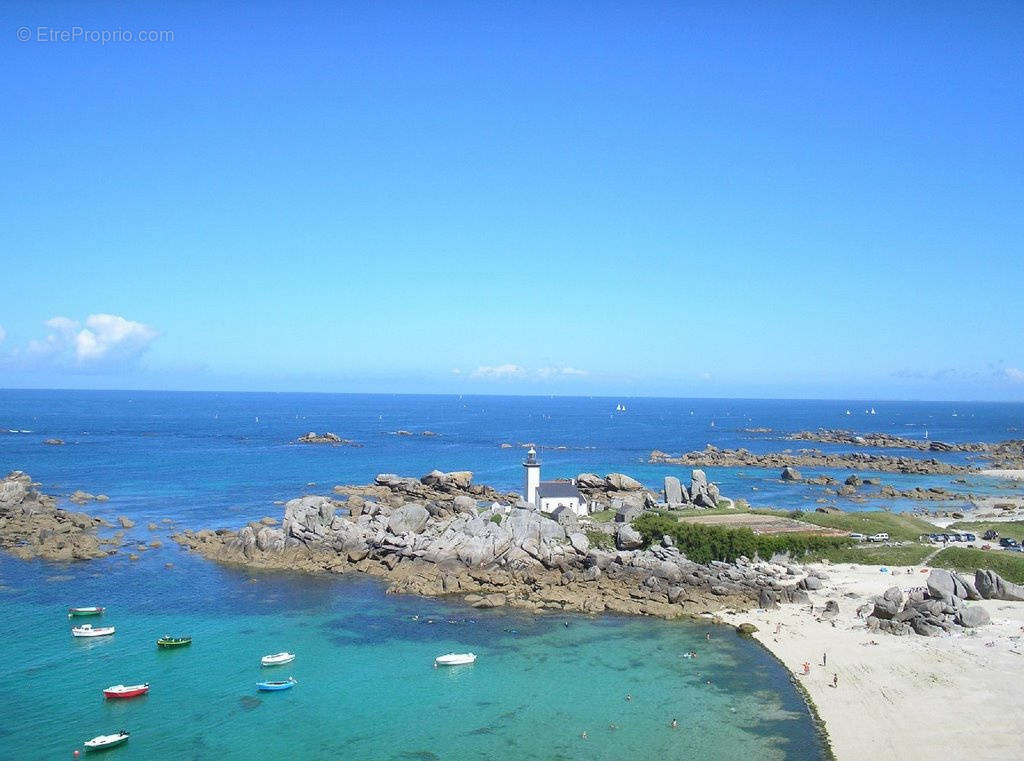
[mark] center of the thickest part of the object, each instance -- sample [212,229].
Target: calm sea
[366,686]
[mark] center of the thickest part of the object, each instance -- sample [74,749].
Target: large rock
[590,481]
[408,519]
[992,586]
[673,491]
[791,474]
[940,585]
[628,538]
[971,616]
[620,482]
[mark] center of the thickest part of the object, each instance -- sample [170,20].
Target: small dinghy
[454,659]
[106,741]
[168,641]
[88,630]
[274,686]
[126,691]
[90,610]
[277,659]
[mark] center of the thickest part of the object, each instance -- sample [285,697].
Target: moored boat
[454,659]
[89,610]
[277,659]
[88,630]
[273,686]
[106,741]
[168,641]
[126,691]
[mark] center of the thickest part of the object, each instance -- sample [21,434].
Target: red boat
[126,691]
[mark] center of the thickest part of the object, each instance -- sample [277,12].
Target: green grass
[907,554]
[603,516]
[899,526]
[1009,565]
[1012,529]
[600,540]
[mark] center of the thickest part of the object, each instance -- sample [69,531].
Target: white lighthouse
[532,467]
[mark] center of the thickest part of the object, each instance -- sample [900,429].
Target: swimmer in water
[674,724]
[629,697]
[583,735]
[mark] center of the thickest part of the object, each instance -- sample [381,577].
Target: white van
[881,537]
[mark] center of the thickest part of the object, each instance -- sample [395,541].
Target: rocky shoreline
[32,526]
[436,536]
[712,456]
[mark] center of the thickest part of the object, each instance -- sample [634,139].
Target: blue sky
[684,199]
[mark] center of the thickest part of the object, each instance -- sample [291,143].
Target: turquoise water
[366,686]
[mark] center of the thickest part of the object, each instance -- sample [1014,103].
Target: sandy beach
[950,697]
[1016,475]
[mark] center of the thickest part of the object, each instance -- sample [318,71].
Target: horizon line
[515,396]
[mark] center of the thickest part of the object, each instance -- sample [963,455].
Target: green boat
[92,610]
[169,641]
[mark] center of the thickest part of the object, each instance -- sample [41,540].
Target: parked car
[990,534]
[970,538]
[1008,542]
[858,537]
[879,537]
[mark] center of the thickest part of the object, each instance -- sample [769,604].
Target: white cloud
[509,370]
[106,334]
[3,334]
[456,371]
[553,372]
[497,371]
[1014,374]
[104,337]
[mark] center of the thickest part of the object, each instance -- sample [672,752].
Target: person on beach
[835,680]
[824,659]
[778,628]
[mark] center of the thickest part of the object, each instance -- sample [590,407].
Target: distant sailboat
[872,411]
[926,433]
[712,423]
[847,412]
[620,407]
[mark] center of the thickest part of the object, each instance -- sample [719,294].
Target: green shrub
[703,543]
[600,540]
[496,518]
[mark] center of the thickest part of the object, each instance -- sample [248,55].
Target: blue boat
[272,686]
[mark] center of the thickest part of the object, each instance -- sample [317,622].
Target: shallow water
[366,686]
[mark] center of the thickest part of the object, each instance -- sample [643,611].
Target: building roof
[558,489]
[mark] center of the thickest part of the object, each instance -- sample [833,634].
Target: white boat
[277,659]
[88,630]
[847,412]
[454,659]
[106,741]
[872,411]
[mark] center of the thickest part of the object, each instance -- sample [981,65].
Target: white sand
[1004,473]
[948,697]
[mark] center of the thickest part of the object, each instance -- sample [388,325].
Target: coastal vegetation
[1008,565]
[908,553]
[704,543]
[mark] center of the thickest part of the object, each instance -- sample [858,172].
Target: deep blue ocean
[366,687]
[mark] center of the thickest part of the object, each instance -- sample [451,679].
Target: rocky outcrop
[32,526]
[992,586]
[492,554]
[1005,454]
[325,438]
[938,608]
[54,442]
[712,456]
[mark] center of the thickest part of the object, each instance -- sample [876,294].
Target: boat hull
[275,686]
[101,632]
[112,693]
[80,612]
[277,660]
[170,643]
[105,741]
[455,659]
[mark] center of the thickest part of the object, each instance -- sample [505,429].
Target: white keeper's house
[548,496]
